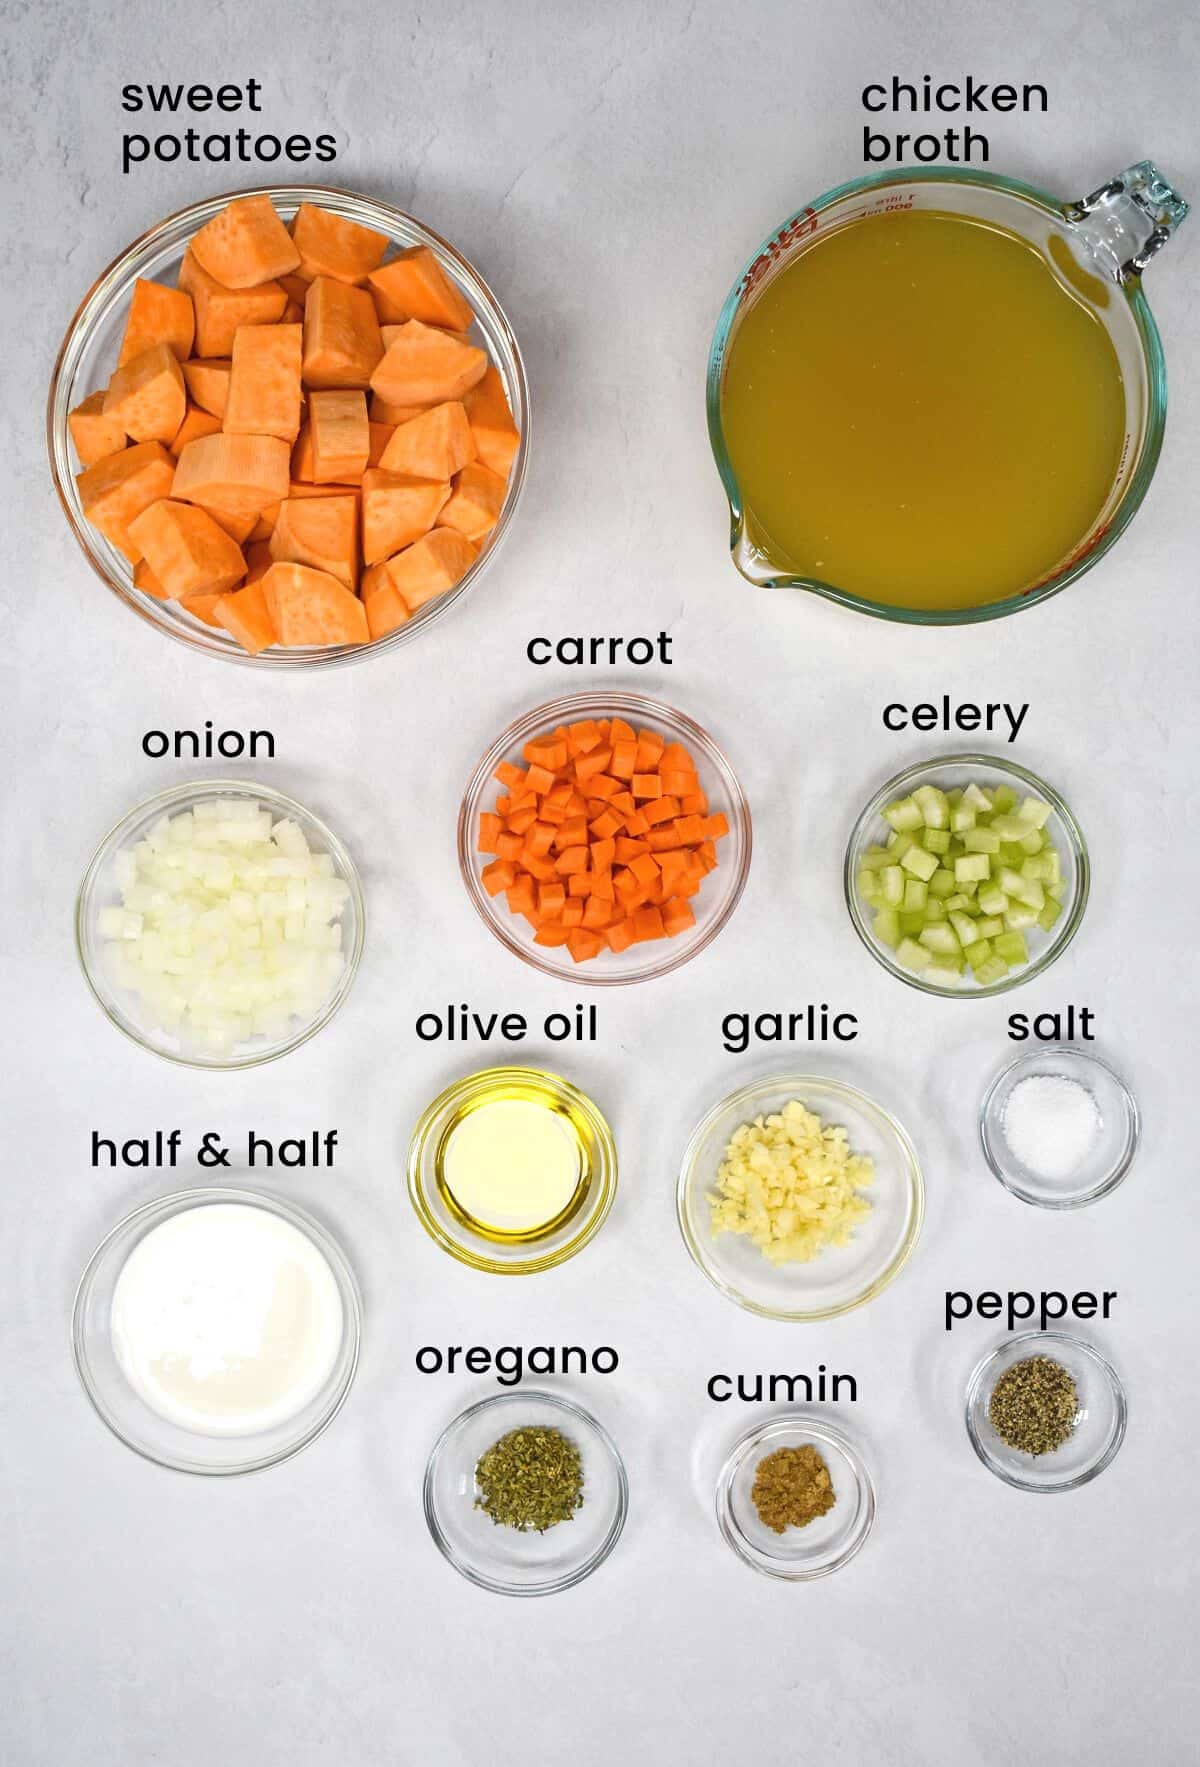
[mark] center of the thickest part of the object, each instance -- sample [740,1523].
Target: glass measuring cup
[1099,244]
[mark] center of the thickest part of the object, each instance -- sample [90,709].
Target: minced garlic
[790,1183]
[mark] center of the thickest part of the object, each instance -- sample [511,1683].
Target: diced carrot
[661,810]
[647,785]
[624,758]
[677,916]
[340,435]
[573,832]
[664,839]
[310,607]
[551,933]
[246,616]
[608,823]
[604,853]
[542,869]
[539,838]
[207,382]
[572,914]
[118,488]
[584,737]
[241,473]
[158,315]
[601,786]
[716,827]
[620,936]
[147,397]
[645,869]
[551,898]
[414,286]
[521,821]
[603,885]
[673,867]
[490,828]
[648,924]
[597,913]
[329,245]
[425,366]
[475,502]
[384,608]
[539,778]
[690,829]
[579,883]
[430,566]
[570,860]
[342,345]
[509,774]
[499,875]
[510,846]
[546,754]
[435,445]
[321,532]
[694,803]
[583,944]
[397,510]
[95,436]
[264,382]
[186,550]
[636,824]
[650,747]
[707,853]
[522,897]
[492,428]
[588,765]
[674,757]
[620,731]
[246,244]
[220,310]
[196,423]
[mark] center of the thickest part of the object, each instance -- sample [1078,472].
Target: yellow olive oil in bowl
[924,410]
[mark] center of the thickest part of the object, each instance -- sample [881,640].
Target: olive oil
[515,1162]
[920,410]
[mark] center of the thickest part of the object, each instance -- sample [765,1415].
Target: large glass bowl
[503,1559]
[99,890]
[141,1427]
[946,772]
[840,1277]
[719,894]
[88,356]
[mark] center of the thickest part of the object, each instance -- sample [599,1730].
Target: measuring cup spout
[1127,221]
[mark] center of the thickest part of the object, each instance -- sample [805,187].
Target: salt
[1051,1124]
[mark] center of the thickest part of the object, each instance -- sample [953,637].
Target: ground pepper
[1034,1405]
[792,1487]
[530,1479]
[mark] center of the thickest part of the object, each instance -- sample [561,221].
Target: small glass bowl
[841,1277]
[1115,1145]
[505,1559]
[1100,1422]
[136,1423]
[1062,828]
[520,1258]
[719,894]
[88,355]
[798,1555]
[99,890]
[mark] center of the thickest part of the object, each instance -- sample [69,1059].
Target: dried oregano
[531,1479]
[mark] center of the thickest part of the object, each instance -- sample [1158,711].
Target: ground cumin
[792,1487]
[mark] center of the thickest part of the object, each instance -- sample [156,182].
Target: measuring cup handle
[1127,221]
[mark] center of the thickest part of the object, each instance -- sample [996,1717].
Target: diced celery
[920,863]
[904,815]
[1004,799]
[1033,811]
[1038,866]
[898,845]
[935,812]
[988,925]
[1056,890]
[954,797]
[868,887]
[981,840]
[942,883]
[875,858]
[1009,828]
[958,903]
[972,868]
[977,798]
[940,939]
[1012,947]
[962,817]
[936,840]
[1054,863]
[892,880]
[945,972]
[1019,918]
[911,924]
[1012,853]
[1049,915]
[992,899]
[1033,842]
[978,953]
[966,928]
[912,955]
[934,912]
[994,970]
[970,887]
[915,893]
[886,926]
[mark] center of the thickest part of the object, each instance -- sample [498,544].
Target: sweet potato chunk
[475,502]
[186,550]
[321,532]
[196,423]
[145,580]
[329,245]
[425,366]
[435,445]
[116,490]
[342,345]
[396,510]
[94,434]
[492,428]
[158,315]
[246,244]
[341,436]
[264,382]
[246,616]
[220,310]
[207,381]
[380,411]
[240,473]
[414,286]
[312,607]
[148,397]
[381,602]
[429,567]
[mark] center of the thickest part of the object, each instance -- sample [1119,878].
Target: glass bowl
[99,890]
[841,1277]
[946,772]
[88,355]
[135,1422]
[1112,1152]
[719,894]
[521,1257]
[1099,1426]
[504,1559]
[798,1555]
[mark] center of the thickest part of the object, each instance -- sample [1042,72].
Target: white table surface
[609,168]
